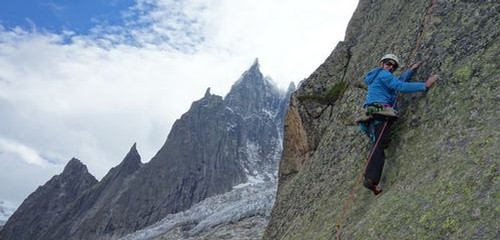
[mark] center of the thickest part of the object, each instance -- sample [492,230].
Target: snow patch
[252,161]
[252,180]
[231,126]
[272,114]
[236,205]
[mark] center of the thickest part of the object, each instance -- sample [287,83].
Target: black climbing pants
[374,169]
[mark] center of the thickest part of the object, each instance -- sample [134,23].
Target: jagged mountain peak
[212,148]
[75,172]
[75,166]
[128,166]
[132,160]
[253,79]
[291,87]
[207,93]
[209,100]
[255,64]
[251,76]
[253,93]
[43,207]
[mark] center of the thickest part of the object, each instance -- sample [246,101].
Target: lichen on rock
[442,169]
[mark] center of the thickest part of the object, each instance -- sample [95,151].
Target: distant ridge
[216,145]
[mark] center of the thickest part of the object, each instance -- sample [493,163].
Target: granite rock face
[259,122]
[43,208]
[98,203]
[441,175]
[216,145]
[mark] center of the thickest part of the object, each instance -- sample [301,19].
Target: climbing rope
[333,94]
[323,109]
[424,25]
[423,28]
[360,175]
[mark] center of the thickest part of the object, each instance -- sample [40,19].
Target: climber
[380,110]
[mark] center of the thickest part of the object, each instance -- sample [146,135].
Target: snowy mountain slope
[243,212]
[219,145]
[247,229]
[250,204]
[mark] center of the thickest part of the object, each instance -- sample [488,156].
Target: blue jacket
[383,87]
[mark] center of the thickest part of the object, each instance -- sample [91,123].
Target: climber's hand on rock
[431,80]
[415,66]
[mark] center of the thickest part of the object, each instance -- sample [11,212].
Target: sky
[89,78]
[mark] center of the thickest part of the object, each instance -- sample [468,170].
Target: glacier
[241,203]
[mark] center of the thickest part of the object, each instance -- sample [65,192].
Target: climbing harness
[412,57]
[368,128]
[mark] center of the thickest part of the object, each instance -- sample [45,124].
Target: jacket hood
[370,77]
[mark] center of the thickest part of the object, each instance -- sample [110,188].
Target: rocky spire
[74,172]
[207,93]
[131,162]
[74,166]
[291,87]
[210,149]
[43,207]
[98,202]
[253,74]
[253,93]
[255,64]
[127,167]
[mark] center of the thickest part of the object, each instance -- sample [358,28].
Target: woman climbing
[383,88]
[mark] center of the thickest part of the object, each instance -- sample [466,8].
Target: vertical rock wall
[441,175]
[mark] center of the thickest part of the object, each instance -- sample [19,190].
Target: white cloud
[93,96]
[26,154]
[159,24]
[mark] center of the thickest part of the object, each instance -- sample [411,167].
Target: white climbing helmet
[392,57]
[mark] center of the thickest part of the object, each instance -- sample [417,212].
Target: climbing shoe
[363,117]
[386,114]
[376,189]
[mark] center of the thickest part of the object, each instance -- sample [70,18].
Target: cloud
[92,96]
[80,100]
[53,6]
[18,179]
[26,154]
[164,24]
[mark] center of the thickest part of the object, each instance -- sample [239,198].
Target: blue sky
[79,16]
[91,78]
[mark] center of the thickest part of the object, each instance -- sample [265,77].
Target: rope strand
[413,56]
[353,192]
